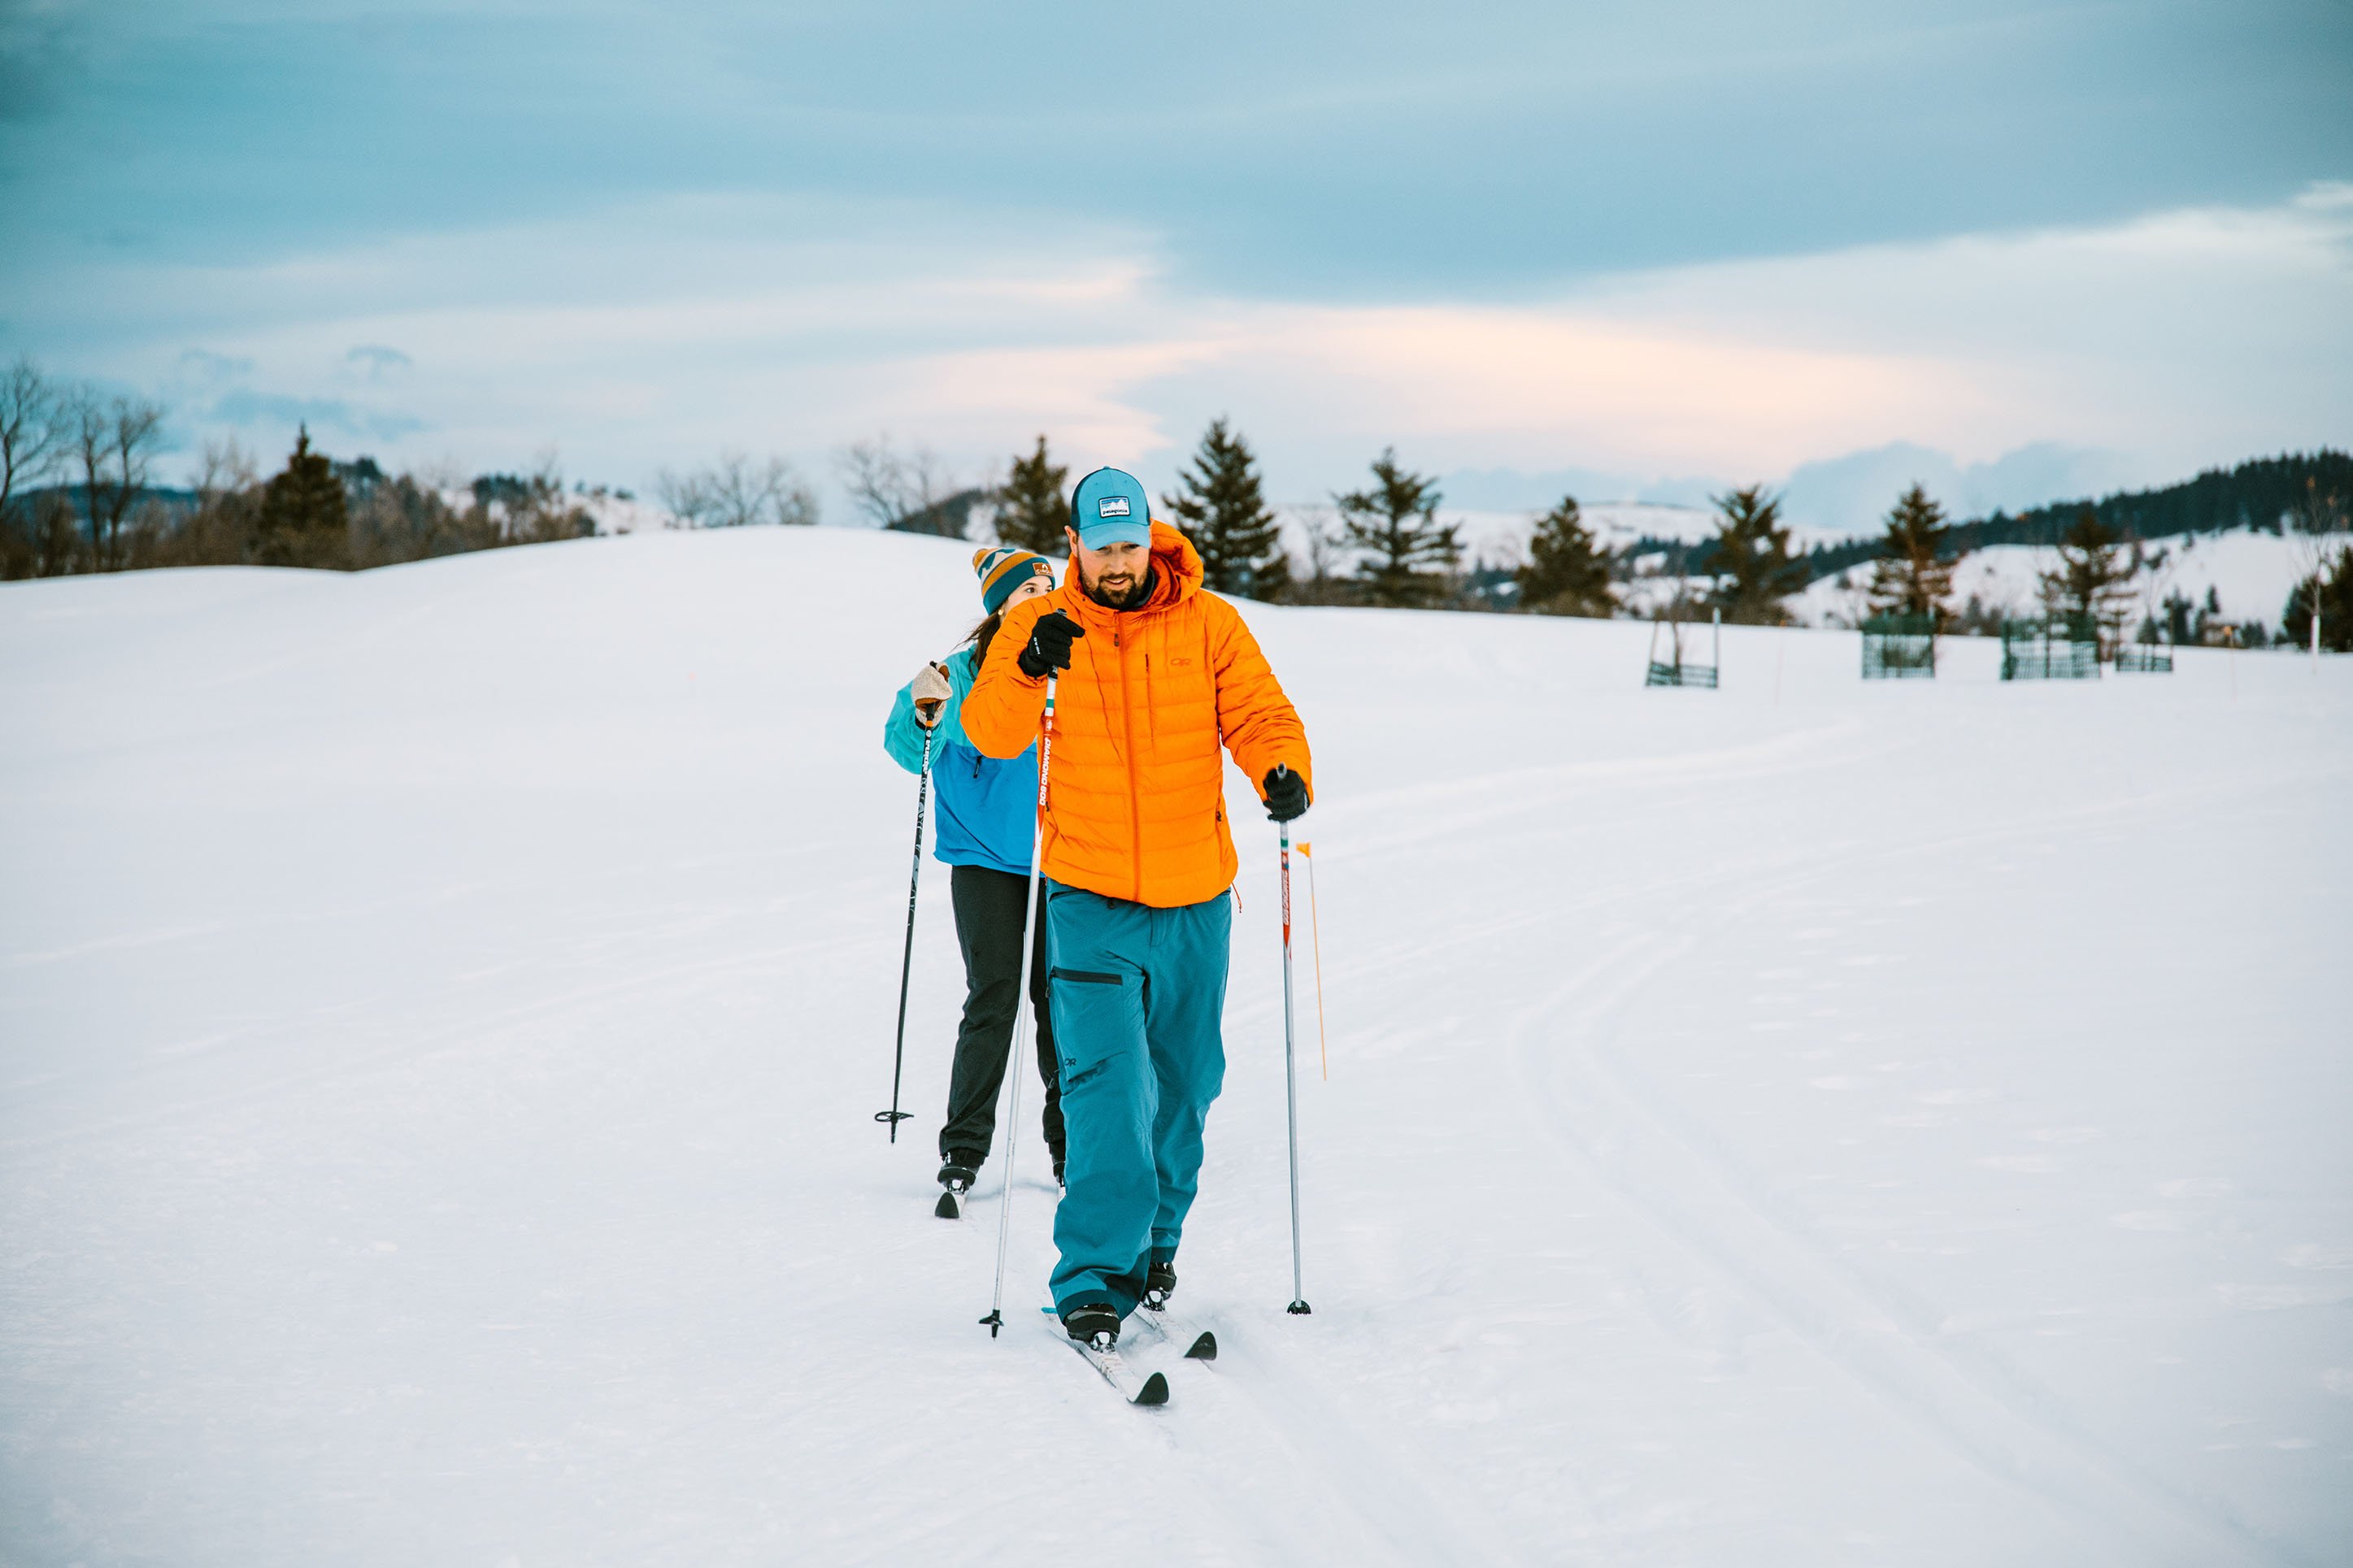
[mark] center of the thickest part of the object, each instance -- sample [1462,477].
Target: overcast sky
[2015,250]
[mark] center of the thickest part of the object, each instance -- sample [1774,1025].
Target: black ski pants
[988,918]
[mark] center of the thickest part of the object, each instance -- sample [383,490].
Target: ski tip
[1153,1392]
[1203,1349]
[948,1208]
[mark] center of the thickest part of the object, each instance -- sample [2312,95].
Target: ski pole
[1034,908]
[907,958]
[1291,1079]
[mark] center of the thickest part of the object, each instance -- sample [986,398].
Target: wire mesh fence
[2144,659]
[1674,669]
[1899,648]
[2056,647]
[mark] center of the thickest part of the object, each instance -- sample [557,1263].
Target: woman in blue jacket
[987,813]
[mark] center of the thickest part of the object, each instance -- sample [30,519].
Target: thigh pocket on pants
[1095,1016]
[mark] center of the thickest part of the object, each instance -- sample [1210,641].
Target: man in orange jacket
[1139,857]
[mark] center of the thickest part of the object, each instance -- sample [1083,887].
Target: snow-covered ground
[443,1012]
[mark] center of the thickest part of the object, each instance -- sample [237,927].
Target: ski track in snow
[1250,1436]
[1678,1184]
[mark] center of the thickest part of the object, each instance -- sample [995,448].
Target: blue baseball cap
[1109,507]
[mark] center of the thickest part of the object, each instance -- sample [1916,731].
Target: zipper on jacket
[1135,803]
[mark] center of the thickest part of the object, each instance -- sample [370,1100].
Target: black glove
[1050,645]
[1286,794]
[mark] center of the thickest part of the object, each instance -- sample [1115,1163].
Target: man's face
[1114,575]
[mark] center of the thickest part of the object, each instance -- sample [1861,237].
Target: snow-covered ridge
[2249,573]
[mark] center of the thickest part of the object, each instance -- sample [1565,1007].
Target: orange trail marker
[1316,936]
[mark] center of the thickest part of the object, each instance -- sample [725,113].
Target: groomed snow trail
[442,1013]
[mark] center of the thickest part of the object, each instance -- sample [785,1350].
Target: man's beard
[1138,590]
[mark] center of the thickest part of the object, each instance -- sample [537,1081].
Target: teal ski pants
[1139,994]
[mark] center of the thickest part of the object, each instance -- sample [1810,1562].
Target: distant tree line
[2263,493]
[2103,550]
[76,496]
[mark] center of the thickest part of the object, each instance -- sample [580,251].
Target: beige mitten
[931,693]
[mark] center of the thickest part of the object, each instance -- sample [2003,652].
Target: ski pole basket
[2059,647]
[1899,648]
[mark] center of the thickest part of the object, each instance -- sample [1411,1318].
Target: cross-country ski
[1190,1340]
[1137,1388]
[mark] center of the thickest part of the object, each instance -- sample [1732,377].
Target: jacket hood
[1176,575]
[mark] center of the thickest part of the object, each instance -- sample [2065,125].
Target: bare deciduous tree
[30,447]
[114,441]
[223,467]
[1329,560]
[887,486]
[228,502]
[736,492]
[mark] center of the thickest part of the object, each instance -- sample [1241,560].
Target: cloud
[245,407]
[379,363]
[42,59]
[204,365]
[1427,152]
[657,333]
[1848,495]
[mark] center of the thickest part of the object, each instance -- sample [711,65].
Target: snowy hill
[445,1008]
[2248,572]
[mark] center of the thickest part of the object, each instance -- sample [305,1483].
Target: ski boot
[1159,1284]
[1092,1323]
[958,1172]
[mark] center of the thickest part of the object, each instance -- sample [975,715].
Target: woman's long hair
[982,635]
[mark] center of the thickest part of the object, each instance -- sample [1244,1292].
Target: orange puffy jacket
[1136,804]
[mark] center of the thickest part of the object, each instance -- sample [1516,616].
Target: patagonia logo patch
[1112,506]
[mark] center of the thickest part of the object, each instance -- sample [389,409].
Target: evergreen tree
[1395,524]
[1033,505]
[2092,578]
[1913,575]
[302,519]
[1568,573]
[2333,586]
[1224,512]
[1752,563]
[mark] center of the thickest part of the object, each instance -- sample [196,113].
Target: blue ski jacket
[988,806]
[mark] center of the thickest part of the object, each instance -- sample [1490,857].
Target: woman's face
[1037,583]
